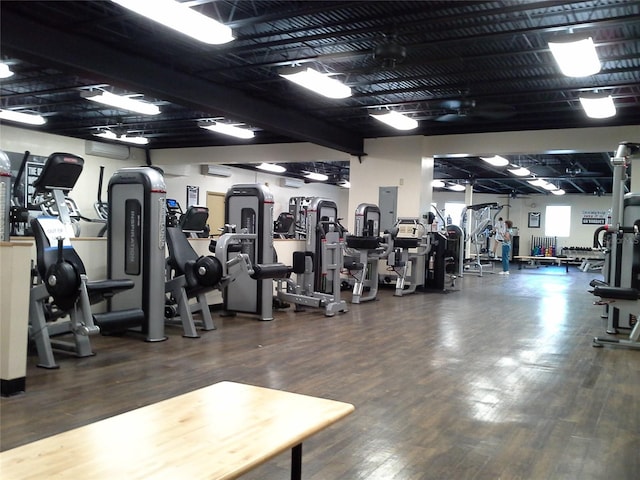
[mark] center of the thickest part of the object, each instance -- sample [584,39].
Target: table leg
[296,462]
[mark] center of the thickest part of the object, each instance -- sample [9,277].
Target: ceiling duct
[106,150]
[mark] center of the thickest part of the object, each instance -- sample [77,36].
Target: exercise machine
[626,299]
[249,217]
[193,222]
[284,226]
[189,277]
[621,268]
[317,269]
[298,207]
[408,257]
[322,223]
[479,218]
[364,249]
[5,196]
[444,257]
[61,287]
[136,245]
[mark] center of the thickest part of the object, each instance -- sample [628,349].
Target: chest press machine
[62,288]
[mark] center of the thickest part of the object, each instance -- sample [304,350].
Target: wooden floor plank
[495,380]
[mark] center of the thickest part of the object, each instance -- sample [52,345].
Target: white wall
[391,162]
[185,161]
[395,161]
[519,208]
[188,161]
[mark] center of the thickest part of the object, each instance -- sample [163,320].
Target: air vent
[216,170]
[291,183]
[106,150]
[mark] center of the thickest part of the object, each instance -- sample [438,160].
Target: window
[454,210]
[557,221]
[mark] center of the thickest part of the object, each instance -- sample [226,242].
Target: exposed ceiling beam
[69,50]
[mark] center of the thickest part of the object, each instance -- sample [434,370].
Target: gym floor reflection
[497,379]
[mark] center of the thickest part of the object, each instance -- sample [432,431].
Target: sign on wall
[595,217]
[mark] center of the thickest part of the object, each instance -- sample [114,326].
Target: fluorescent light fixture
[228,129]
[271,167]
[22,117]
[538,182]
[558,192]
[122,103]
[550,187]
[519,171]
[496,161]
[576,55]
[437,184]
[396,120]
[317,82]
[320,177]
[456,187]
[5,71]
[181,18]
[122,138]
[598,105]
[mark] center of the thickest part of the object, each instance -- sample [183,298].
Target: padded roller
[270,270]
[362,243]
[119,320]
[620,293]
[104,287]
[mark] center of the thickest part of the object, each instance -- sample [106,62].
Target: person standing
[498,232]
[506,246]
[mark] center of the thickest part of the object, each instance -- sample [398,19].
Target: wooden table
[218,432]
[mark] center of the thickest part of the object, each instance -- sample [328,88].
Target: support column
[15,258]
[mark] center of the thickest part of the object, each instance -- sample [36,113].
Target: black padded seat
[99,289]
[406,242]
[270,270]
[362,243]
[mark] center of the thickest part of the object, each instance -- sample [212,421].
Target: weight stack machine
[136,244]
[250,208]
[322,214]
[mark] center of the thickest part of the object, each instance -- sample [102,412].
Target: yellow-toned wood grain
[217,432]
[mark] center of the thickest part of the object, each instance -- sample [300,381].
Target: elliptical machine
[62,288]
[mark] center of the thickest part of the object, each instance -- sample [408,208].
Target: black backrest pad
[180,250]
[61,171]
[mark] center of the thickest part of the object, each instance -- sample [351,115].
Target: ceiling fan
[464,110]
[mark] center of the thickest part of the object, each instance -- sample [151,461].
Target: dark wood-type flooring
[497,380]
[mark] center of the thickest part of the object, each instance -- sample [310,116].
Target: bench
[218,432]
[535,261]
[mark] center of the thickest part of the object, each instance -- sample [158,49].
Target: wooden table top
[217,432]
